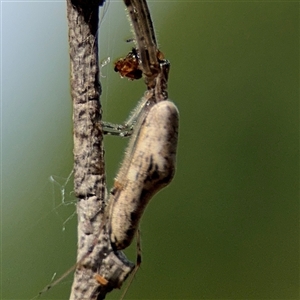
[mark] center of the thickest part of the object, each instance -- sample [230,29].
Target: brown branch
[99,268]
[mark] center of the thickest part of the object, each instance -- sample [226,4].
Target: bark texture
[99,268]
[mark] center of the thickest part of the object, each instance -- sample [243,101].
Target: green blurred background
[228,225]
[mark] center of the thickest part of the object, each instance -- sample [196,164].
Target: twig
[95,254]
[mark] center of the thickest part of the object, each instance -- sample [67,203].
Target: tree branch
[99,268]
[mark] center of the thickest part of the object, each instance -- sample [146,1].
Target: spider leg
[138,262]
[126,129]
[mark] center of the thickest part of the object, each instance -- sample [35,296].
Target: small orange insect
[101,280]
[129,66]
